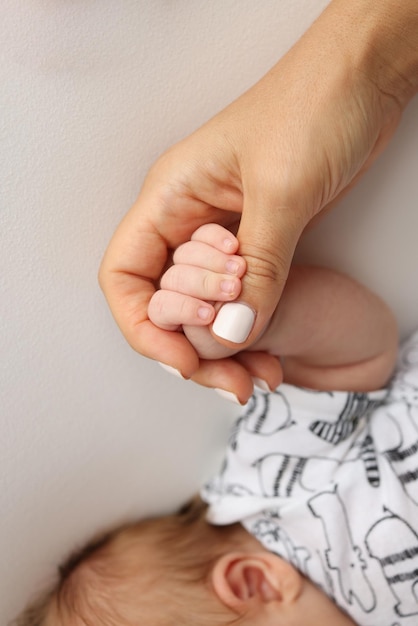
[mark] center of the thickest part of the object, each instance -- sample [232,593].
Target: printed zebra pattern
[280,474]
[404,458]
[371,464]
[357,406]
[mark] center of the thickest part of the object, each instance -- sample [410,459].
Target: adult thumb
[267,238]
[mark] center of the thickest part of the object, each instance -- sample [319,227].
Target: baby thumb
[267,240]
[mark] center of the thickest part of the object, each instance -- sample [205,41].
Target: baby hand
[205,271]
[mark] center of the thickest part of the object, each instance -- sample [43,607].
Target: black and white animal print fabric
[329,481]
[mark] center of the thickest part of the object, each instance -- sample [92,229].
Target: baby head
[176,570]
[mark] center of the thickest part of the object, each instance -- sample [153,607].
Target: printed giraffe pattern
[342,554]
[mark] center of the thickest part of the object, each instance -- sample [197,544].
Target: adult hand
[265,166]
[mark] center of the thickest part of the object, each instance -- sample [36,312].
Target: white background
[91,93]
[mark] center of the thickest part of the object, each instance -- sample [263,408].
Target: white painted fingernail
[171,370]
[228,395]
[234,322]
[260,384]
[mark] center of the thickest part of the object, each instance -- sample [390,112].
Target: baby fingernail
[170,370]
[234,322]
[232,267]
[204,313]
[229,244]
[228,395]
[228,287]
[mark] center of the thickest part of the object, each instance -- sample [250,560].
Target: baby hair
[151,572]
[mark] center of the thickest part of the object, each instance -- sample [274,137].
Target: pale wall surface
[91,92]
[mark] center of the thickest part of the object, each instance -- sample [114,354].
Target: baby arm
[332,332]
[329,331]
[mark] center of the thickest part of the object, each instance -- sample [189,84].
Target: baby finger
[200,283]
[169,310]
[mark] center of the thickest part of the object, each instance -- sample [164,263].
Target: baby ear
[242,580]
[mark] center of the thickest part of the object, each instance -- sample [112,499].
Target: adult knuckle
[262,264]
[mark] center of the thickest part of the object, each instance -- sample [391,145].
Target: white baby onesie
[329,481]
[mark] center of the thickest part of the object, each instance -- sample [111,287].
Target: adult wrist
[382,36]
